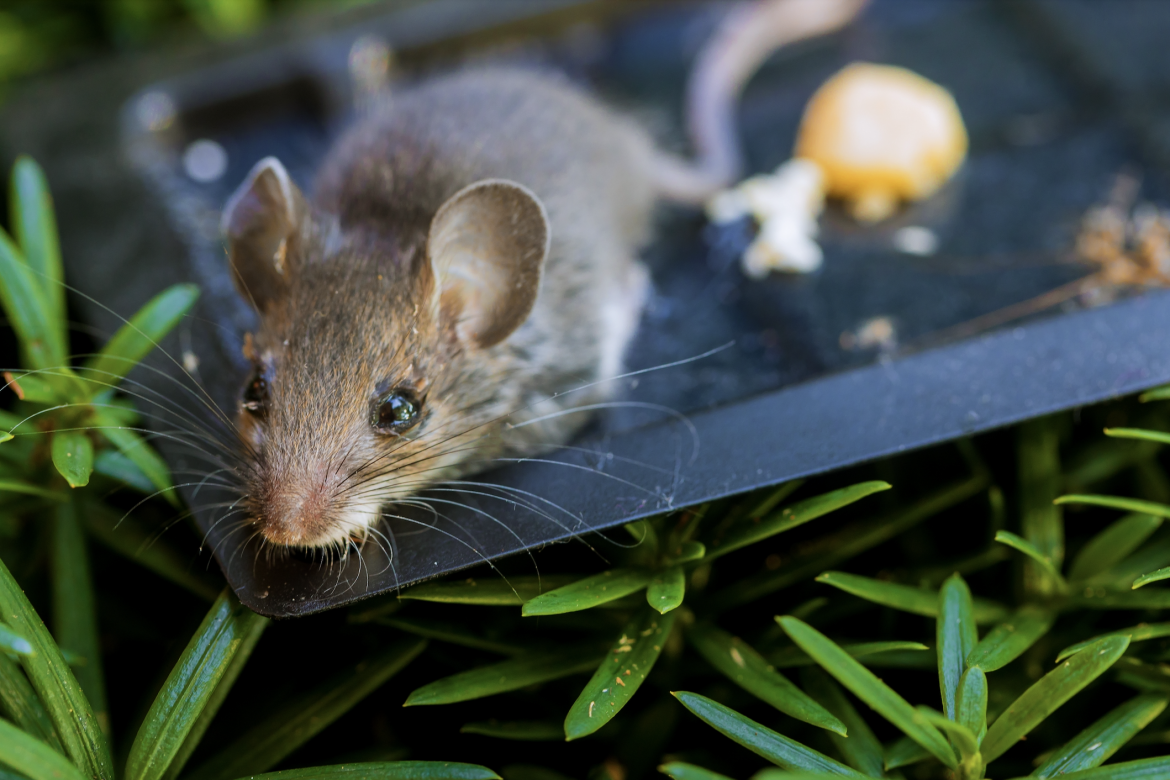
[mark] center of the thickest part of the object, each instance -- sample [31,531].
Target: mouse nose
[295,508]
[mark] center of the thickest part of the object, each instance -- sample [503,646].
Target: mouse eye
[397,411]
[255,394]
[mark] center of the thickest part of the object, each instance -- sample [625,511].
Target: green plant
[68,424]
[957,738]
[730,623]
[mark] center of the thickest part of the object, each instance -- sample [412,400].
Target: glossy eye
[256,394]
[397,411]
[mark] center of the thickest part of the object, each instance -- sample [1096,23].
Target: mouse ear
[259,221]
[487,246]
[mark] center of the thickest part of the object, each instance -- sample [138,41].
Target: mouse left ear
[259,221]
[486,247]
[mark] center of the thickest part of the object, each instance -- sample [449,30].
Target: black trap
[735,384]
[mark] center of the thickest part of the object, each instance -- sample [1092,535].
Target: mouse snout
[306,507]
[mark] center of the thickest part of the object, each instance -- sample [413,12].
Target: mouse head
[379,364]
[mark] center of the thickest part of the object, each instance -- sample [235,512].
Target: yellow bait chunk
[882,134]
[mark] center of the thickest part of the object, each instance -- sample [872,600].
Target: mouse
[463,281]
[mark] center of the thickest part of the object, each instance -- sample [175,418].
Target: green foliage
[1102,739]
[897,652]
[590,592]
[740,663]
[190,687]
[490,680]
[621,674]
[775,747]
[64,407]
[273,738]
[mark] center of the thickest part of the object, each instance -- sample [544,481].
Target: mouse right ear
[487,246]
[259,221]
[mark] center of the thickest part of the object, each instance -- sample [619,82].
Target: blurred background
[48,36]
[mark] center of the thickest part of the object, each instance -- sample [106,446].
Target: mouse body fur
[463,283]
[352,312]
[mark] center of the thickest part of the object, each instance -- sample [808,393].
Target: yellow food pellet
[882,134]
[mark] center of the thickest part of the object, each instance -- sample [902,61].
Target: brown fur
[351,316]
[367,290]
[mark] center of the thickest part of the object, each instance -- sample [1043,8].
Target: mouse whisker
[217,414]
[428,527]
[207,400]
[388,550]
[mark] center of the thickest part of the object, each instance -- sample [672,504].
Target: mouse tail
[744,40]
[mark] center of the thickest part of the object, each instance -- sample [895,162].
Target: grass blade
[33,758]
[249,636]
[768,773]
[589,592]
[1141,434]
[1097,743]
[1114,502]
[666,591]
[53,680]
[793,656]
[390,770]
[505,676]
[889,594]
[1008,641]
[1157,394]
[498,592]
[19,486]
[844,544]
[12,642]
[741,664]
[115,465]
[136,338]
[956,638]
[1143,769]
[867,687]
[971,702]
[35,229]
[762,741]
[28,309]
[1138,633]
[903,597]
[20,702]
[677,770]
[276,736]
[1041,521]
[686,552]
[525,731]
[962,738]
[74,611]
[860,749]
[620,674]
[903,752]
[791,517]
[448,632]
[1147,598]
[1112,545]
[1049,693]
[1032,551]
[189,687]
[141,454]
[1154,576]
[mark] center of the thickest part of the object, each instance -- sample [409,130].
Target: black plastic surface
[778,397]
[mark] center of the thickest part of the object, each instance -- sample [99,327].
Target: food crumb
[916,240]
[878,332]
